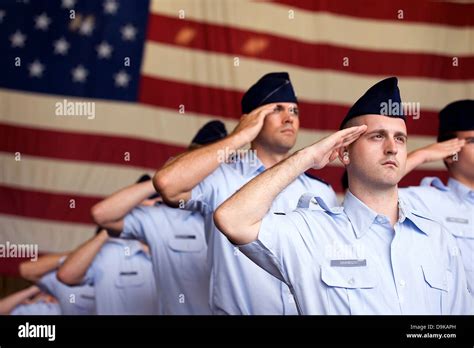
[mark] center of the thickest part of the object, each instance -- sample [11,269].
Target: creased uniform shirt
[452,206]
[73,300]
[123,279]
[350,260]
[179,255]
[237,285]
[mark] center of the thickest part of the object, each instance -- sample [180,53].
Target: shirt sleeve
[48,283]
[133,224]
[280,248]
[203,195]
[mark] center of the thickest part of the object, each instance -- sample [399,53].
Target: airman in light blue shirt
[122,276]
[179,254]
[350,260]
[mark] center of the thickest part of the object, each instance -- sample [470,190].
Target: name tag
[457,220]
[348,263]
[128,273]
[185,236]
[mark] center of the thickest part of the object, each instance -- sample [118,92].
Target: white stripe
[61,176]
[323,86]
[321,27]
[137,121]
[50,236]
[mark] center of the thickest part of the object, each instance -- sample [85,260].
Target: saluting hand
[326,150]
[250,124]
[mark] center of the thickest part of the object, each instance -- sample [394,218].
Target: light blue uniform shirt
[237,285]
[123,279]
[349,260]
[452,206]
[179,255]
[37,308]
[73,300]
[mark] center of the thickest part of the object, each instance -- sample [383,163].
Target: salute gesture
[239,217]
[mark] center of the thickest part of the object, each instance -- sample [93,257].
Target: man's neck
[463,180]
[382,201]
[267,157]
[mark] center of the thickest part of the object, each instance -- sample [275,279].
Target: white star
[69,4]
[2,15]
[79,74]
[18,39]
[36,69]
[128,32]
[121,79]
[104,50]
[42,22]
[61,46]
[110,7]
[87,26]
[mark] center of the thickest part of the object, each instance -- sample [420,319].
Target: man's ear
[344,155]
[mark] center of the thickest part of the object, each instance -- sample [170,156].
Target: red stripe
[85,147]
[226,103]
[46,205]
[221,39]
[436,12]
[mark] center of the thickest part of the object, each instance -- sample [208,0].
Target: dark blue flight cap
[457,116]
[271,88]
[209,133]
[146,177]
[383,98]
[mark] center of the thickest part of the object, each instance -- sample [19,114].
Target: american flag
[155,71]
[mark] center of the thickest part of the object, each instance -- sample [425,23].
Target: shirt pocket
[436,289]
[348,289]
[189,254]
[186,243]
[129,278]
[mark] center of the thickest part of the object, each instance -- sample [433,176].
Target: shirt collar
[461,190]
[362,217]
[435,182]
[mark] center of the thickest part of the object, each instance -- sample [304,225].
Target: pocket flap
[187,242]
[348,277]
[435,277]
[129,278]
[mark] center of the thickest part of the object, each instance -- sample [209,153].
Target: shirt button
[402,283]
[351,281]
[379,219]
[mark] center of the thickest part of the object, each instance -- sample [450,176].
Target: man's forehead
[380,122]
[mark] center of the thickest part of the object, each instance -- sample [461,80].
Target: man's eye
[377,136]
[294,111]
[400,139]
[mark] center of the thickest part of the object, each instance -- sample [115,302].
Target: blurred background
[153,72]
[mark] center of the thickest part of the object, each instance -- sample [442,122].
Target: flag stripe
[52,236]
[46,205]
[226,103]
[435,12]
[214,38]
[320,27]
[59,176]
[202,68]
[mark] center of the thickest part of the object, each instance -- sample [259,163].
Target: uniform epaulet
[312,176]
